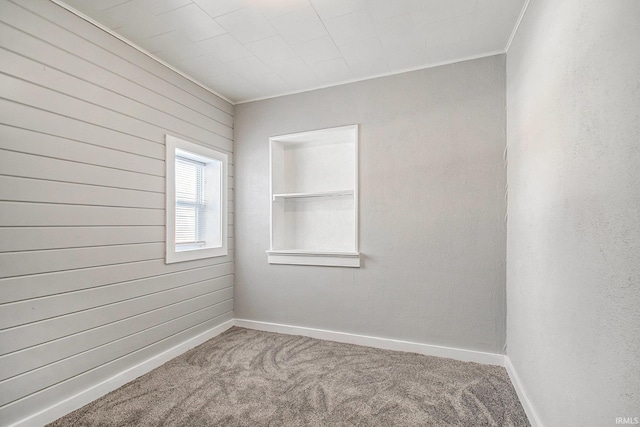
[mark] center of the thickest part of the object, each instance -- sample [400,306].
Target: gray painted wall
[573,261]
[432,231]
[84,290]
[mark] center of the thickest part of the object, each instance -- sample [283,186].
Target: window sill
[326,259]
[194,254]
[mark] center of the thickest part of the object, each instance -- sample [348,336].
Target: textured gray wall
[573,273]
[432,209]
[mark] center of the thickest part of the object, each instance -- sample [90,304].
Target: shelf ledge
[340,193]
[328,259]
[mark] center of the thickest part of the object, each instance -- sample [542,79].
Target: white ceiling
[252,49]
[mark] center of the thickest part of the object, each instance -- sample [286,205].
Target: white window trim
[172,143]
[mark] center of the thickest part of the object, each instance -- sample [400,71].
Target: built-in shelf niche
[314,198]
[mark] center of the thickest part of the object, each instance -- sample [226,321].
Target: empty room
[320,213]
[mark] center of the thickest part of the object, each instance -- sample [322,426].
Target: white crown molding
[515,27]
[393,73]
[96,391]
[376,342]
[76,12]
[534,420]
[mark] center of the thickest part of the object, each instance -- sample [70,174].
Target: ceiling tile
[352,27]
[251,69]
[500,9]
[450,30]
[494,34]
[247,25]
[233,86]
[489,16]
[151,26]
[225,48]
[204,69]
[175,54]
[195,23]
[300,26]
[203,66]
[296,73]
[231,78]
[450,52]
[334,70]
[107,4]
[273,49]
[170,40]
[360,51]
[317,50]
[403,28]
[92,6]
[217,8]
[406,55]
[272,84]
[125,14]
[369,68]
[332,8]
[160,6]
[248,49]
[384,9]
[483,45]
[438,10]
[272,9]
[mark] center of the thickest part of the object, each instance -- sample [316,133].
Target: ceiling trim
[515,27]
[76,12]
[138,48]
[405,70]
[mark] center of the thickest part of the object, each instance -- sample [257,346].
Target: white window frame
[200,153]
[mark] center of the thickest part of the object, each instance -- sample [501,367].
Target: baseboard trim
[534,420]
[94,392]
[376,342]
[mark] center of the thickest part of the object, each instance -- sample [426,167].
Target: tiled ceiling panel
[252,49]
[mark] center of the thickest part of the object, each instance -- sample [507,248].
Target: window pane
[189,174]
[185,224]
[191,217]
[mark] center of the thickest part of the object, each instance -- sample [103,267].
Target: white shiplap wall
[84,290]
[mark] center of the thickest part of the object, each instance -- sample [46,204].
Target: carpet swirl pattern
[252,378]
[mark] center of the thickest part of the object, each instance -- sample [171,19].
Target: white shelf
[328,259]
[314,198]
[341,193]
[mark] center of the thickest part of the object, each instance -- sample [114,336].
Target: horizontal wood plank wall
[84,290]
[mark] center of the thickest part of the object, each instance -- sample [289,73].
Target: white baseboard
[384,343]
[534,420]
[77,401]
[87,396]
[397,345]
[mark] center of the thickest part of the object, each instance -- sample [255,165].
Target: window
[196,225]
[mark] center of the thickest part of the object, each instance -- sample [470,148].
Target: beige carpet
[251,378]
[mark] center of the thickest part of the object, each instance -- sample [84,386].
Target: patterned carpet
[252,378]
